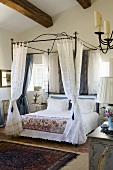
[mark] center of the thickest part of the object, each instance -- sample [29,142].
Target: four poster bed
[57,122]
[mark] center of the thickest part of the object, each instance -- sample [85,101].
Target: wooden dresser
[98,141]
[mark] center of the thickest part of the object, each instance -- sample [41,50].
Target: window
[97,67]
[39,77]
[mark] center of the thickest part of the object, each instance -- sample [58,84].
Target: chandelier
[106,43]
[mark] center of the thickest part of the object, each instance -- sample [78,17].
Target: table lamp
[105,96]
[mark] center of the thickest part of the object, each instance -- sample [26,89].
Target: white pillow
[57,105]
[86,106]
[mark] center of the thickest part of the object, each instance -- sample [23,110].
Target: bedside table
[34,107]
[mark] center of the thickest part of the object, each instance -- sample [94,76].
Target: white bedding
[51,113]
[90,121]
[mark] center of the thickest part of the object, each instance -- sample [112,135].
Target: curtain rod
[56,38]
[87,43]
[89,47]
[43,52]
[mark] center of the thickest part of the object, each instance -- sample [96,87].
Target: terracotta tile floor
[45,143]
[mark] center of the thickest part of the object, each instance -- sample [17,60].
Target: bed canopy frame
[58,36]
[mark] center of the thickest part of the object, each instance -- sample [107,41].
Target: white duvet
[90,120]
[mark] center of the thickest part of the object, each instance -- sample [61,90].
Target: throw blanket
[42,123]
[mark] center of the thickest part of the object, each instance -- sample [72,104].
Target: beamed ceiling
[33,12]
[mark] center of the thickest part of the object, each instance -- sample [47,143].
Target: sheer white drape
[53,73]
[50,72]
[78,65]
[94,71]
[13,123]
[71,134]
[45,62]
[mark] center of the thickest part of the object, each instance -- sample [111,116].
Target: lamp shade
[105,93]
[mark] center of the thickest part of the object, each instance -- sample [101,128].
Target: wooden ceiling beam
[29,10]
[84,3]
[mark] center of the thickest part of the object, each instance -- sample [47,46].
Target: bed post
[12,48]
[75,43]
[48,51]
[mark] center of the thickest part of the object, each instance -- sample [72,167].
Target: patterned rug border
[49,148]
[41,146]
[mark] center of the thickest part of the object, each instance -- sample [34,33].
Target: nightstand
[98,141]
[34,107]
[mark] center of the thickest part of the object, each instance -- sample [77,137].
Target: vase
[110,123]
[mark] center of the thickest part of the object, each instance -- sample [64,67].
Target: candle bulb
[100,17]
[106,27]
[97,18]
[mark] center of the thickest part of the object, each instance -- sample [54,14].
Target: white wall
[5,57]
[37,59]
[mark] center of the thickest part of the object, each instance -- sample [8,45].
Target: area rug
[15,156]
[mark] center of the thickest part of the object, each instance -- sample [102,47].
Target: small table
[98,141]
[34,107]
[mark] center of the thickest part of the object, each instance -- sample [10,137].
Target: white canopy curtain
[78,65]
[94,71]
[45,63]
[13,123]
[65,50]
[50,72]
[53,73]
